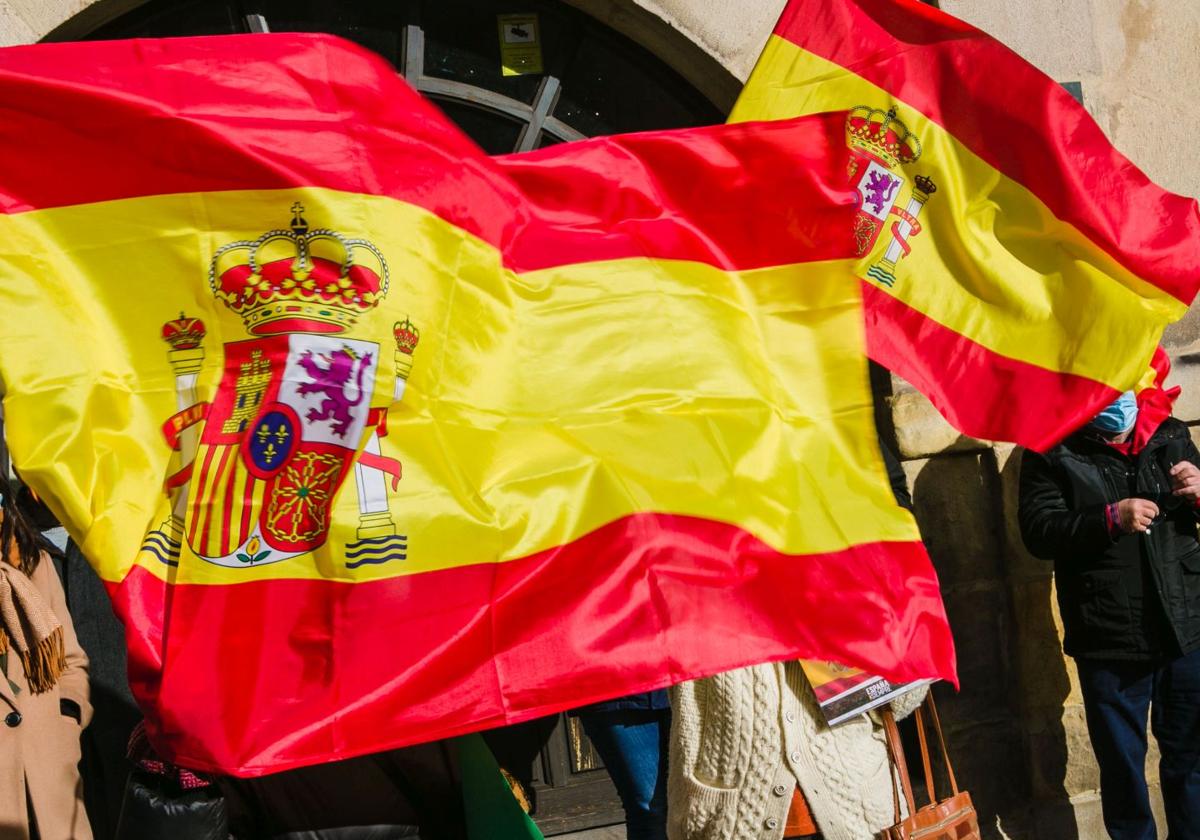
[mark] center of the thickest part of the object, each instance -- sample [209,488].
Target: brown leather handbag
[953,818]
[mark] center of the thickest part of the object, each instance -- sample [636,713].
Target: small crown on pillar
[184,333]
[407,336]
[924,184]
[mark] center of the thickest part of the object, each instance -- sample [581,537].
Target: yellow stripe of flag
[522,406]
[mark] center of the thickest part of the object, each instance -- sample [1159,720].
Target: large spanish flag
[375,441]
[1010,255]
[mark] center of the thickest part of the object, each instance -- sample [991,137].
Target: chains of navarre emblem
[263,461]
[880,145]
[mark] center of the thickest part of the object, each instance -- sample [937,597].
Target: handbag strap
[896,753]
[927,764]
[937,726]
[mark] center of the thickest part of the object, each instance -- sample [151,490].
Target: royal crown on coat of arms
[262,463]
[299,279]
[880,145]
[880,135]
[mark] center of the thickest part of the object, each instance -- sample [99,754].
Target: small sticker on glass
[520,45]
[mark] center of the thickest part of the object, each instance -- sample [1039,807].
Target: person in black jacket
[1115,507]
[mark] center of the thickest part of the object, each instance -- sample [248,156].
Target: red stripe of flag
[586,620]
[199,506]
[738,197]
[214,479]
[975,393]
[230,540]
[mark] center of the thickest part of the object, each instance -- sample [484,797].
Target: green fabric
[493,813]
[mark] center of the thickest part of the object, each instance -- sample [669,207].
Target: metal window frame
[534,118]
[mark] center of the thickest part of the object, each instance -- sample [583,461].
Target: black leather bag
[156,807]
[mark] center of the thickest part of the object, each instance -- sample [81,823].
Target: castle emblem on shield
[880,145]
[262,463]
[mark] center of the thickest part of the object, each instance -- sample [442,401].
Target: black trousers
[1118,697]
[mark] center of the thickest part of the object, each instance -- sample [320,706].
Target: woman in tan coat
[43,692]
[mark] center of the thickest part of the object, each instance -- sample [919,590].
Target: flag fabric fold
[1009,252]
[377,440]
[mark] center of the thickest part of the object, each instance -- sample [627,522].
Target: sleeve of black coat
[895,474]
[1049,526]
[1182,449]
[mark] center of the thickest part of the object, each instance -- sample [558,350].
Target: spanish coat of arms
[291,418]
[880,145]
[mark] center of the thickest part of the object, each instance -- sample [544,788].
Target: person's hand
[1185,481]
[1134,515]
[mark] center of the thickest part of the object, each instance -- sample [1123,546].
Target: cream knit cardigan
[741,741]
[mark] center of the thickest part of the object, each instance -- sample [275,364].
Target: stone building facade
[1017,727]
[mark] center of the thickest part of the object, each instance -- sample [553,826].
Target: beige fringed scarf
[32,628]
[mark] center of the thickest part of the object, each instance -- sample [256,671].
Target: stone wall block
[1183,339]
[1085,819]
[1041,671]
[979,621]
[42,16]
[1079,818]
[14,29]
[1039,37]
[733,31]
[988,763]
[956,499]
[1194,431]
[1153,755]
[1061,762]
[1019,563]
[920,430]
[1185,372]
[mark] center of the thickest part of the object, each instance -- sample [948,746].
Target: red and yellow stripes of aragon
[1039,267]
[376,440]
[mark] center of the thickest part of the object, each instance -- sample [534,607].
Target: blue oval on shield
[271,441]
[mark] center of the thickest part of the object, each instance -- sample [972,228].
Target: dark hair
[19,543]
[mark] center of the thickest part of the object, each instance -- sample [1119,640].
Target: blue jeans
[633,745]
[1117,697]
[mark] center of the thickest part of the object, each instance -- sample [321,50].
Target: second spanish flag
[1010,256]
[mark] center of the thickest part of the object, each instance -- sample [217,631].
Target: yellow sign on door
[520,45]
